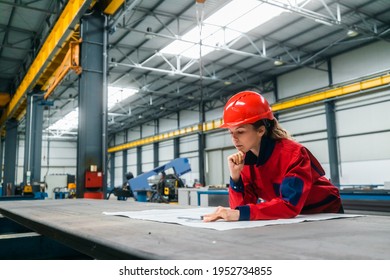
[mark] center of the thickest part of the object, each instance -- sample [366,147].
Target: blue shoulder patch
[291,189]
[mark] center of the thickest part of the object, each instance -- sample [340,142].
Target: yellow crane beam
[70,62]
[111,6]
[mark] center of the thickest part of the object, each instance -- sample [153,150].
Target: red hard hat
[246,107]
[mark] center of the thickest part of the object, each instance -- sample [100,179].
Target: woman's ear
[261,130]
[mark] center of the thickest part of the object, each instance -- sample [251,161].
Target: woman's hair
[273,129]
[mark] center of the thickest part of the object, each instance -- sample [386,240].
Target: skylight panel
[118,94]
[231,11]
[224,26]
[70,121]
[67,123]
[256,17]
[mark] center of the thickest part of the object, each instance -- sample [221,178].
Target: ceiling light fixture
[352,33]
[149,34]
[278,62]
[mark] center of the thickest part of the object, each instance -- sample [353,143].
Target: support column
[112,170]
[1,163]
[139,160]
[332,142]
[176,147]
[202,145]
[156,158]
[124,165]
[33,142]
[91,142]
[11,140]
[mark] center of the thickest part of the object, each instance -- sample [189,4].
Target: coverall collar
[267,146]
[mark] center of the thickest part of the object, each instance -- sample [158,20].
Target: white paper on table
[192,217]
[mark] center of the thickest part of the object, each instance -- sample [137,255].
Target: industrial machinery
[60,185]
[35,190]
[164,191]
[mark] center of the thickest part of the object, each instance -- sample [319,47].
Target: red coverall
[283,181]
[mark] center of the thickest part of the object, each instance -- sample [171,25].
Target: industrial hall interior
[164,129]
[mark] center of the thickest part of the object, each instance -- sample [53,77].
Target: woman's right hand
[236,164]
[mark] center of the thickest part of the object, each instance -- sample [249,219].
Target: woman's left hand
[226,214]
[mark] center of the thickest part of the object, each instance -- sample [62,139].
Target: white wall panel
[148,129]
[215,114]
[320,150]
[147,153]
[132,161]
[305,125]
[226,172]
[165,151]
[361,62]
[60,153]
[214,167]
[217,171]
[147,158]
[188,118]
[365,172]
[118,180]
[189,143]
[193,159]
[300,81]
[366,147]
[168,123]
[359,118]
[134,134]
[218,140]
[58,157]
[119,138]
[311,137]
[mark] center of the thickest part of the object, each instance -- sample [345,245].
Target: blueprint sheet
[192,218]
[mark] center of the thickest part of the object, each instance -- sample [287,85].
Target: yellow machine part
[27,189]
[71,186]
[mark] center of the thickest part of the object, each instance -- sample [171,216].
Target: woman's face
[246,137]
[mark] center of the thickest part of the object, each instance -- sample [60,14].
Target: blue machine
[140,185]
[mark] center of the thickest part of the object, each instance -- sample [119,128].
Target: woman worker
[271,175]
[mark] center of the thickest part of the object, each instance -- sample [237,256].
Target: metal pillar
[176,147]
[33,142]
[124,164]
[201,146]
[112,170]
[332,142]
[11,140]
[156,159]
[1,162]
[91,142]
[139,160]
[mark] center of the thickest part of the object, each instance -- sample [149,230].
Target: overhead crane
[58,55]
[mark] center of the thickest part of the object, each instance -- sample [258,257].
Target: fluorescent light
[352,33]
[224,26]
[278,62]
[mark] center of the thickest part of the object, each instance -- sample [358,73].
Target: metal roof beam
[61,30]
[16,4]
[330,19]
